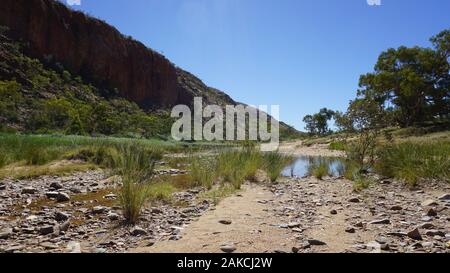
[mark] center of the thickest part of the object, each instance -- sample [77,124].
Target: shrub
[274,163]
[361,183]
[201,173]
[319,169]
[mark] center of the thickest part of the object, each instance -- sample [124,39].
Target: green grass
[412,161]
[201,172]
[337,146]
[161,191]
[361,183]
[274,163]
[219,193]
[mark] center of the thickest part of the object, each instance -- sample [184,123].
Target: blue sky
[300,54]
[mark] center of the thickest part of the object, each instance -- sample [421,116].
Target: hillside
[55,53]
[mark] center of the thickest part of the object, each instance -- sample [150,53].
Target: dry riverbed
[79,213]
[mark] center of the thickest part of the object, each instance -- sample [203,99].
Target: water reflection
[301,166]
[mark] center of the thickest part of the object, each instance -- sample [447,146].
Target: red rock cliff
[94,50]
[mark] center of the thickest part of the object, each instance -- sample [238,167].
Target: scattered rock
[62,197]
[415,234]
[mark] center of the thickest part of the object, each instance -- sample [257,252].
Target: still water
[301,165]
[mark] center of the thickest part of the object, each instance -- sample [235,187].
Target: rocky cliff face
[96,51]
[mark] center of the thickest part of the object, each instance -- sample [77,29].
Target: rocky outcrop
[94,50]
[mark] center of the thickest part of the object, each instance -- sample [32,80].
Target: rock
[62,197]
[350,230]
[2,187]
[380,222]
[225,222]
[435,232]
[396,208]
[110,196]
[333,212]
[29,190]
[99,210]
[415,234]
[445,197]
[427,226]
[228,248]
[354,200]
[56,186]
[294,225]
[431,212]
[45,230]
[73,247]
[48,245]
[397,234]
[61,216]
[113,216]
[156,211]
[6,233]
[65,226]
[51,194]
[429,203]
[137,231]
[315,242]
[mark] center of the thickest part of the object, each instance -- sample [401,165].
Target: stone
[29,190]
[225,222]
[380,222]
[427,226]
[431,212]
[62,197]
[99,210]
[415,234]
[445,197]
[6,233]
[137,231]
[65,226]
[350,230]
[56,186]
[354,200]
[374,246]
[113,216]
[110,196]
[228,248]
[61,216]
[2,187]
[294,225]
[51,194]
[315,242]
[48,245]
[333,212]
[45,230]
[435,232]
[429,203]
[396,208]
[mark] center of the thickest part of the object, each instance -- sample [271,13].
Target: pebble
[315,242]
[29,190]
[429,203]
[137,231]
[45,230]
[56,186]
[350,230]
[61,216]
[5,233]
[415,234]
[225,222]
[62,197]
[228,248]
[380,222]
